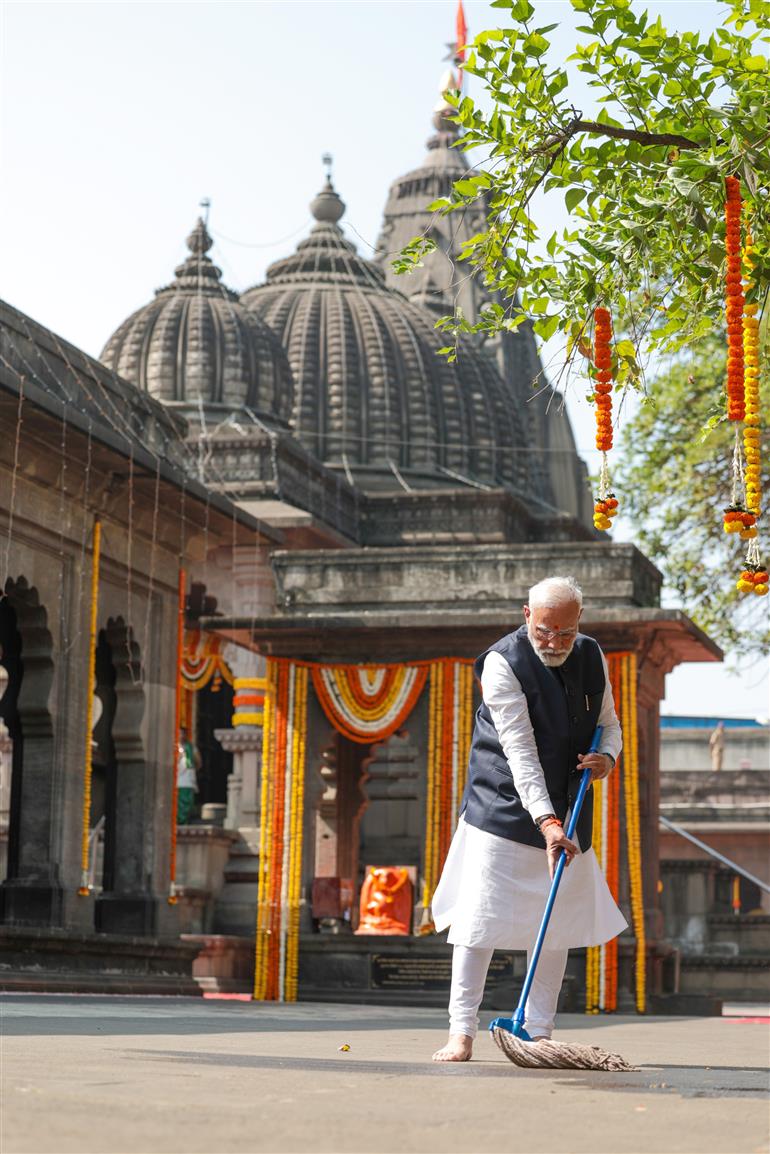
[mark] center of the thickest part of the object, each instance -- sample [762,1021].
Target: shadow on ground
[686,1081]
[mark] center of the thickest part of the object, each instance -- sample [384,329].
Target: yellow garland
[363,712]
[443,734]
[631,795]
[429,882]
[297,806]
[265,827]
[90,690]
[283,791]
[751,433]
[593,1003]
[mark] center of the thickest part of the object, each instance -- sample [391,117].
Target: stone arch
[31,892]
[126,904]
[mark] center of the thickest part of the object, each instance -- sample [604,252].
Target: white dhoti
[492,895]
[493,891]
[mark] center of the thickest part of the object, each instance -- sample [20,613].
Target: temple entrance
[391,827]
[369,815]
[213,706]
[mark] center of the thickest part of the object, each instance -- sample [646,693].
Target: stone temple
[348,519]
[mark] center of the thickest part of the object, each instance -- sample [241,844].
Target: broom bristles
[548,1055]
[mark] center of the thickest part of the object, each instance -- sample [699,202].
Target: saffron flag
[461,37]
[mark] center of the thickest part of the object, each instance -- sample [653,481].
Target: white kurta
[492,890]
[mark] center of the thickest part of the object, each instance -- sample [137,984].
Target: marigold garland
[751,427]
[633,830]
[601,961]
[178,704]
[85,863]
[735,300]
[450,724]
[753,579]
[368,703]
[202,661]
[606,505]
[281,827]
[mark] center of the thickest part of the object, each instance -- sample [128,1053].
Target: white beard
[552,660]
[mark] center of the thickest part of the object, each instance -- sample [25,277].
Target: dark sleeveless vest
[564,704]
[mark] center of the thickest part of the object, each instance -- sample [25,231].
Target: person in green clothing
[187,765]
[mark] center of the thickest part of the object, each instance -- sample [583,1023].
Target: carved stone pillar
[244,741]
[327,817]
[243,802]
[31,892]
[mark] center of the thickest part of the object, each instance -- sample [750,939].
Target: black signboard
[429,972]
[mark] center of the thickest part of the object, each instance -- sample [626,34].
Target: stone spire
[198,270]
[557,475]
[326,255]
[447,131]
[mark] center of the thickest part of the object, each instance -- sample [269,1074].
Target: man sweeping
[545,688]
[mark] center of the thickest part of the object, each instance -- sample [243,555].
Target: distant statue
[717,746]
[386,901]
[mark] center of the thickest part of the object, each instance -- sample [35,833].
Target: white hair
[553,592]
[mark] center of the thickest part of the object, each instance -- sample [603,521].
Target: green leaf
[755,63]
[573,197]
[545,327]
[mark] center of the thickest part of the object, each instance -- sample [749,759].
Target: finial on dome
[328,207]
[199,242]
[442,110]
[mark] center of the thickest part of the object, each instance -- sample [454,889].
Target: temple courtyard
[128,1074]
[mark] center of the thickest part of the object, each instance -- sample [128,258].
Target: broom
[509,1033]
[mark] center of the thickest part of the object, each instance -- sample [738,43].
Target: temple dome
[374,397]
[556,473]
[195,344]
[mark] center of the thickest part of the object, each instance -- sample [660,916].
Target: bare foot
[458,1049]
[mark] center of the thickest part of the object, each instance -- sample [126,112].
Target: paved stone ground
[115,1075]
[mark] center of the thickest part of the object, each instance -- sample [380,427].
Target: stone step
[225,963]
[750,934]
[63,961]
[736,979]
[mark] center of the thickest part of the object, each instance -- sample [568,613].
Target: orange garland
[602,961]
[450,726]
[603,378]
[606,506]
[177,722]
[735,300]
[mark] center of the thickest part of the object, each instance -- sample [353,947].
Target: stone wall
[687,749]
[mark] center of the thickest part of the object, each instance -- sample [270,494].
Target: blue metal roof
[709,722]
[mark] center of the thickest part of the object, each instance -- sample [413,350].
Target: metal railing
[713,853]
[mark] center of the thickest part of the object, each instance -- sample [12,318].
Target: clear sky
[117,118]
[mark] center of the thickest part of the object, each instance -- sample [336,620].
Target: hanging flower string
[450,721]
[751,431]
[754,578]
[735,300]
[743,393]
[737,518]
[606,505]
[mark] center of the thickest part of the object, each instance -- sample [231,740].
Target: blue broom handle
[585,781]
